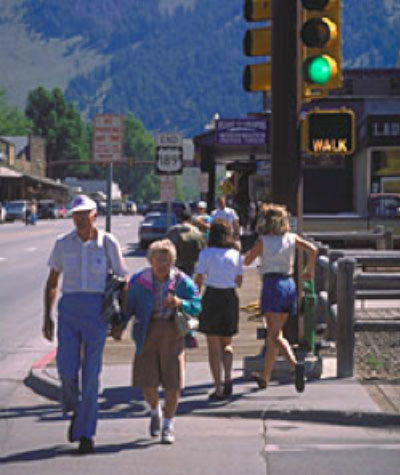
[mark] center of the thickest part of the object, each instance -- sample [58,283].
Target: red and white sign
[107,138]
[167,188]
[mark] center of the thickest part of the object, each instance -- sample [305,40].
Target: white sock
[156,411]
[167,423]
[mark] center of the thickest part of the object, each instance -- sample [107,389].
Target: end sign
[329,132]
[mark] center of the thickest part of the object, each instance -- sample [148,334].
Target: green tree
[138,181]
[12,120]
[60,124]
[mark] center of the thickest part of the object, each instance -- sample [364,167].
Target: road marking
[329,447]
[2,259]
[31,249]
[43,362]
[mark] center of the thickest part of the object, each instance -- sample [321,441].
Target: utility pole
[286,103]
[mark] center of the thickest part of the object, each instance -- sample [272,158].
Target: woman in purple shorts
[276,247]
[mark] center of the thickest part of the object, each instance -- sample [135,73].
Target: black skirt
[220,314]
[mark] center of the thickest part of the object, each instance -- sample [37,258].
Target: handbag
[111,307]
[185,323]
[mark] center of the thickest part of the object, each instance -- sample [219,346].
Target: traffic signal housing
[257,42]
[320,36]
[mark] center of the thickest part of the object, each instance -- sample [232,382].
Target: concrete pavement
[325,399]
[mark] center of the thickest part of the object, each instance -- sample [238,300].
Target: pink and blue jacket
[141,300]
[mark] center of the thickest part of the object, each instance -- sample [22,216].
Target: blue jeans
[81,337]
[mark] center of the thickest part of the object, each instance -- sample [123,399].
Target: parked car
[154,227]
[162,207]
[16,210]
[3,212]
[61,211]
[47,209]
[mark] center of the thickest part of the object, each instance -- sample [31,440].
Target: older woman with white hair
[155,294]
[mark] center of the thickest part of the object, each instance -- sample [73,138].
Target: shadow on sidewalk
[57,451]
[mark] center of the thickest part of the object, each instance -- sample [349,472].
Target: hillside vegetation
[174,63]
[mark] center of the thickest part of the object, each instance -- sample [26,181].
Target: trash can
[310,304]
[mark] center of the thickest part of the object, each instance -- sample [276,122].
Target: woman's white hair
[162,246]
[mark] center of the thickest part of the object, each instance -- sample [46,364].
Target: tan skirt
[162,362]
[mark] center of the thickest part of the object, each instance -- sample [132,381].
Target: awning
[9,173]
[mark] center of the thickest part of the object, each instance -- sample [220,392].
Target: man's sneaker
[86,446]
[299,377]
[155,425]
[167,435]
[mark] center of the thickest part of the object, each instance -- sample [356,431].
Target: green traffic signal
[317,70]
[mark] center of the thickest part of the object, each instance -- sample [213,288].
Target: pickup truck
[383,210]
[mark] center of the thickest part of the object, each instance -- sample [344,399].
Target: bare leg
[151,397]
[227,358]
[276,342]
[215,360]
[171,402]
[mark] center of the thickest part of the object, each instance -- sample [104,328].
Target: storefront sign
[249,131]
[383,130]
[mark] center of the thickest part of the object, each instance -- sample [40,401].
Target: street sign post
[169,154]
[107,138]
[107,148]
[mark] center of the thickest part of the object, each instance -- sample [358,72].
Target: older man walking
[84,257]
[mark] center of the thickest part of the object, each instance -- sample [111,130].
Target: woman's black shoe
[86,446]
[228,388]
[299,377]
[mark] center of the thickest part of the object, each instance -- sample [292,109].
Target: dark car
[16,210]
[154,227]
[177,208]
[47,209]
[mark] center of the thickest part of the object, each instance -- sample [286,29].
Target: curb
[43,384]
[334,417]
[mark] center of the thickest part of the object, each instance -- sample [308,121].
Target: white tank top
[278,254]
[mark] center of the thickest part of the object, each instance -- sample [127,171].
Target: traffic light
[257,42]
[321,47]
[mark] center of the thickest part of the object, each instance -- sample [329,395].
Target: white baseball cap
[202,204]
[82,203]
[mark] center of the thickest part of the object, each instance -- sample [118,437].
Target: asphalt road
[24,251]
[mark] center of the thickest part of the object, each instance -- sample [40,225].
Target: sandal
[214,396]
[262,384]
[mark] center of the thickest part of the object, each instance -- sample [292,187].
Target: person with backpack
[188,241]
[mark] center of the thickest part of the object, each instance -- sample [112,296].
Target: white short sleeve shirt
[228,214]
[221,267]
[85,265]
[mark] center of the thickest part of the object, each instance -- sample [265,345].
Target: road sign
[249,131]
[107,138]
[169,158]
[329,132]
[167,188]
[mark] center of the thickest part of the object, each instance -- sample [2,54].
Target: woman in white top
[276,247]
[221,264]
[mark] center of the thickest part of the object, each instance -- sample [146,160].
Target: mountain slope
[173,63]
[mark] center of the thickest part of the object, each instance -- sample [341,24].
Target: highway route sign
[169,154]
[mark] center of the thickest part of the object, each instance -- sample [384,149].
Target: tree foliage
[13,122]
[60,124]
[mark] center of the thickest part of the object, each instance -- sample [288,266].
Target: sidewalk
[327,399]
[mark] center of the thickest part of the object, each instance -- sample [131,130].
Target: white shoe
[167,435]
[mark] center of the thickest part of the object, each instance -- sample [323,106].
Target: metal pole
[109,192]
